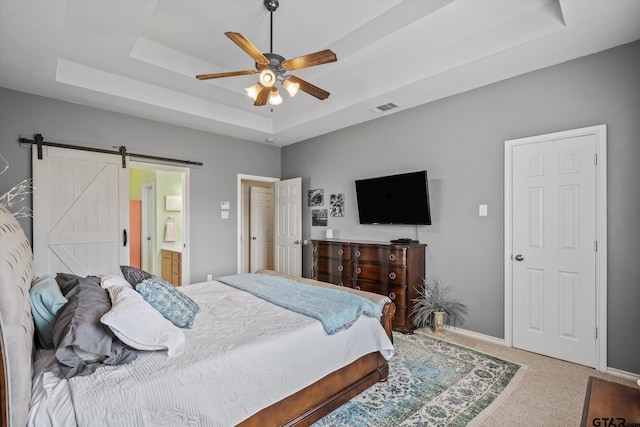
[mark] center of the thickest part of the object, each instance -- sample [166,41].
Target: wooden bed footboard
[329,393]
[324,396]
[388,312]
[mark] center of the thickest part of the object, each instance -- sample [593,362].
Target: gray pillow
[134,275]
[81,341]
[169,301]
[67,281]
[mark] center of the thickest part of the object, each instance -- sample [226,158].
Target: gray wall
[460,141]
[213,240]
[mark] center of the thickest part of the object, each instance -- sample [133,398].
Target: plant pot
[437,321]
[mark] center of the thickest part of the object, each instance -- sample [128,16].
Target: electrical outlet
[209,277]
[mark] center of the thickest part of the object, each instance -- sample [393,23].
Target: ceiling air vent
[384,107]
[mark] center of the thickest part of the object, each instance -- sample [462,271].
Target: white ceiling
[140,57]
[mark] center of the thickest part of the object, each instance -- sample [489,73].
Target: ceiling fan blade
[310,60]
[309,88]
[248,47]
[262,97]
[227,74]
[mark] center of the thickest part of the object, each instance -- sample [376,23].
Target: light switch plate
[224,205]
[224,214]
[482,210]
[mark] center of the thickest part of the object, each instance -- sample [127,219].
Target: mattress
[242,355]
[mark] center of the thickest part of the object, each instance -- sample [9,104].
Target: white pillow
[107,281]
[139,325]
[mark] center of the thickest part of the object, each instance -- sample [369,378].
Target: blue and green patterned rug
[431,383]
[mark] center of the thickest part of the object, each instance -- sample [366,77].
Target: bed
[291,402]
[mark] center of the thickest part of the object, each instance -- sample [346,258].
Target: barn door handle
[124,237]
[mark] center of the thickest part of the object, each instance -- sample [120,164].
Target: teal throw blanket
[336,310]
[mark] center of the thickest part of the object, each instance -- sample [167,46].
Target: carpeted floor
[551,393]
[431,382]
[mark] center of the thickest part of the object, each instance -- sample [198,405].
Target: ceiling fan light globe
[267,78]
[291,87]
[254,90]
[274,97]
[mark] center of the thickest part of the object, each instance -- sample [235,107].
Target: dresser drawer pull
[392,257]
[340,268]
[392,296]
[340,284]
[358,270]
[392,275]
[357,288]
[315,263]
[357,254]
[315,249]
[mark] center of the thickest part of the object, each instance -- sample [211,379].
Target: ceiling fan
[273,67]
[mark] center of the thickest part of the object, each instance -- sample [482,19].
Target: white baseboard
[477,335]
[500,341]
[623,374]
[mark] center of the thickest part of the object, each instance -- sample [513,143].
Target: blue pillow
[169,301]
[46,299]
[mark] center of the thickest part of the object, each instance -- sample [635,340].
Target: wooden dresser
[388,269]
[172,267]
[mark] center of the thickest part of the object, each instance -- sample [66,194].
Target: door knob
[519,257]
[254,238]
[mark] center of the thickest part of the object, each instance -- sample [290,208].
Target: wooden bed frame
[300,409]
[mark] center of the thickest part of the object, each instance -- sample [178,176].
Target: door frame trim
[600,131]
[147,206]
[186,209]
[244,177]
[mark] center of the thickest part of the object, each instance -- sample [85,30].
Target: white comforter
[242,355]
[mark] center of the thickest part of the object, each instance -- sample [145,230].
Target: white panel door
[554,259]
[80,212]
[288,238]
[261,228]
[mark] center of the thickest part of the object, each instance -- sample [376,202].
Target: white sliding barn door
[288,238]
[554,238]
[80,212]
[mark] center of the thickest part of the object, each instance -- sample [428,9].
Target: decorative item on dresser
[394,270]
[172,267]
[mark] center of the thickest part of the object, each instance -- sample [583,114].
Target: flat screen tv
[394,199]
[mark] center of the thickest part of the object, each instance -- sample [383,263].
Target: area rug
[431,383]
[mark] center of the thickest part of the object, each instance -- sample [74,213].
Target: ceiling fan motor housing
[275,64]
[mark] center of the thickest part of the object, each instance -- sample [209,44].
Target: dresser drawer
[397,294]
[335,279]
[393,275]
[380,254]
[332,250]
[332,266]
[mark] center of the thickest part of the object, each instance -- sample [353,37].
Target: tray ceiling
[140,57]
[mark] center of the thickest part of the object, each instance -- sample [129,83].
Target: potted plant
[433,303]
